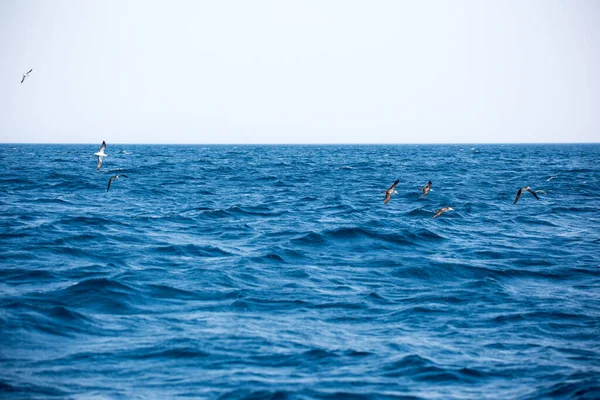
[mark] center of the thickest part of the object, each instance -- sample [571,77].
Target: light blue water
[277,272]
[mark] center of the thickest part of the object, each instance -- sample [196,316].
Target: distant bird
[521,191]
[390,192]
[25,75]
[552,177]
[113,178]
[100,154]
[426,189]
[442,210]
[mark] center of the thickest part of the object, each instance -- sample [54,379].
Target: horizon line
[300,144]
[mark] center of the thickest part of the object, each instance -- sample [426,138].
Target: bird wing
[394,184]
[28,72]
[99,162]
[102,147]
[518,195]
[124,176]
[388,196]
[23,79]
[438,213]
[109,182]
[533,193]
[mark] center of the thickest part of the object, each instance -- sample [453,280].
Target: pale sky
[319,71]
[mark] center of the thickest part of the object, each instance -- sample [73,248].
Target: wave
[168,353]
[168,292]
[19,275]
[233,211]
[573,387]
[255,394]
[19,389]
[192,250]
[270,305]
[262,211]
[533,221]
[49,317]
[344,234]
[102,295]
[213,213]
[42,200]
[268,258]
[89,221]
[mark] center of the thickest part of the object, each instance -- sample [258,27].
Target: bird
[113,178]
[25,75]
[521,191]
[552,177]
[390,192]
[426,189]
[100,154]
[442,210]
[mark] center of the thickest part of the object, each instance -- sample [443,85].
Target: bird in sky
[25,75]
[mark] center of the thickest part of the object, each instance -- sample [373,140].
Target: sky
[322,71]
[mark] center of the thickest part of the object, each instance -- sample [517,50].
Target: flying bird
[442,210]
[113,178]
[426,189]
[100,154]
[552,177]
[521,191]
[390,192]
[25,75]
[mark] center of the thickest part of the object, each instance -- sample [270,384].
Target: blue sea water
[276,272]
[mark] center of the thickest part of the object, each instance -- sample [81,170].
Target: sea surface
[276,272]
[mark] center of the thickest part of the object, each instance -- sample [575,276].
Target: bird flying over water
[552,177]
[521,191]
[390,192]
[113,178]
[426,189]
[101,154]
[442,210]
[26,74]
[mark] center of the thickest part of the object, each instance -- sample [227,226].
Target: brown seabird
[390,192]
[113,178]
[426,189]
[521,191]
[442,210]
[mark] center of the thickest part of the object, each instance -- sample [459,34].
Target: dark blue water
[276,272]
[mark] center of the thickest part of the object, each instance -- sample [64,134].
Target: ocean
[277,272]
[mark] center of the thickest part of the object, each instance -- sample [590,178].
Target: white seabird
[113,178]
[390,192]
[101,154]
[26,74]
[521,191]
